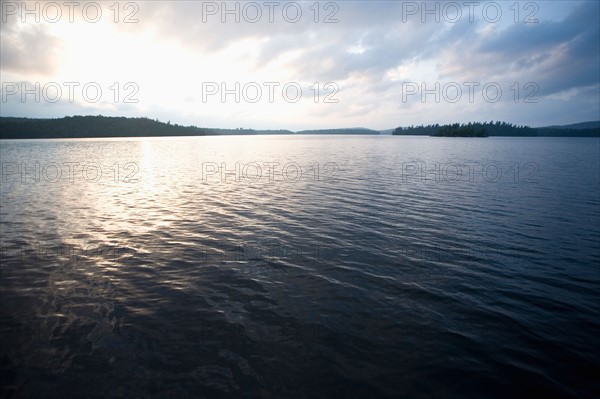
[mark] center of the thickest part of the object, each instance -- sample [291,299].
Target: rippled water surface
[330,266]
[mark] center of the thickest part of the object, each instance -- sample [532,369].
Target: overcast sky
[300,65]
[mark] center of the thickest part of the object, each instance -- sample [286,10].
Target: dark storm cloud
[563,55]
[522,38]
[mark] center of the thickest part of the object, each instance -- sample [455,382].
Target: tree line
[107,126]
[485,129]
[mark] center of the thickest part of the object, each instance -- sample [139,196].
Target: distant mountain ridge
[352,130]
[580,125]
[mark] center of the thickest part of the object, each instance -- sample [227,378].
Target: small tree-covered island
[451,130]
[458,130]
[471,129]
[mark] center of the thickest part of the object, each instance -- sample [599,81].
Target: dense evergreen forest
[485,129]
[458,130]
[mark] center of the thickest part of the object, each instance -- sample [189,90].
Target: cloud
[29,49]
[369,52]
[560,55]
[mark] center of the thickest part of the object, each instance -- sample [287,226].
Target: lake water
[313,266]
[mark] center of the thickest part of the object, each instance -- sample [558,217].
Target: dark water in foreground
[359,277]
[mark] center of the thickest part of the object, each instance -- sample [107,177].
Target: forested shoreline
[109,126]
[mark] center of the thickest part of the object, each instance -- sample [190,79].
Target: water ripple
[372,286]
